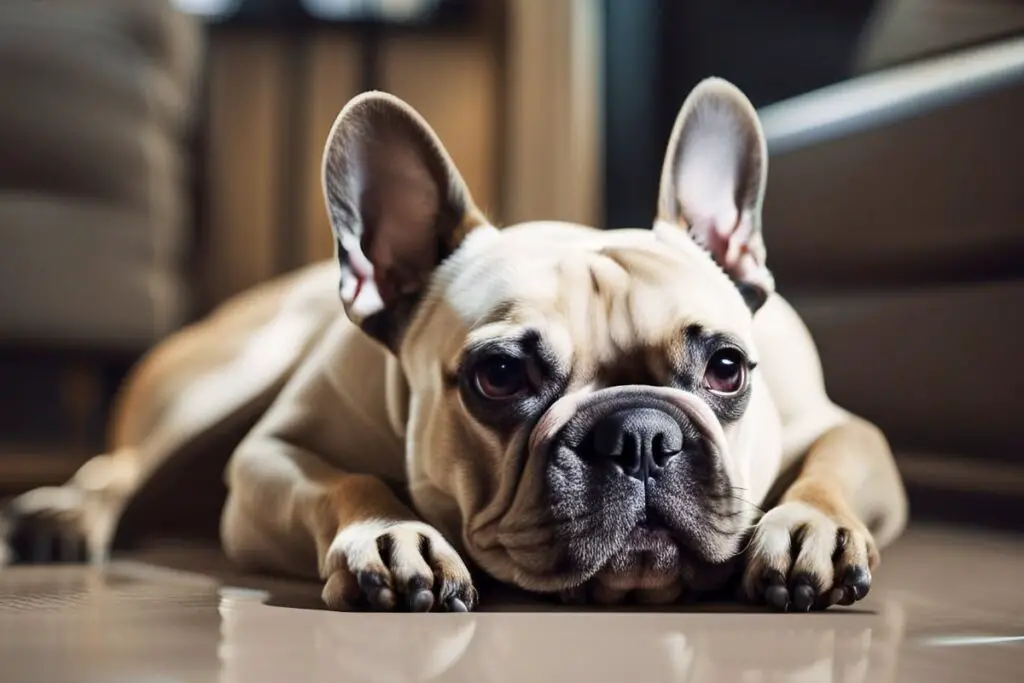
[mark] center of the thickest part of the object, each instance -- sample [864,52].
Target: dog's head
[585,405]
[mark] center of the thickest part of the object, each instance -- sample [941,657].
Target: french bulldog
[603,415]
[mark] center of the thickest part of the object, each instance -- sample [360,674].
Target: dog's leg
[307,493]
[290,512]
[224,367]
[819,545]
[843,499]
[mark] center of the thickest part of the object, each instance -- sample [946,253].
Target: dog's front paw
[799,558]
[395,565]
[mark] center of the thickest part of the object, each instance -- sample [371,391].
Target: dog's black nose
[640,441]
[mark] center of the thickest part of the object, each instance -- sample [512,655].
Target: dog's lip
[643,540]
[562,411]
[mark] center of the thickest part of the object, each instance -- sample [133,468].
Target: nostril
[608,440]
[665,446]
[618,448]
[658,450]
[637,441]
[631,457]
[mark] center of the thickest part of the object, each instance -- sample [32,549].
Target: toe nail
[371,580]
[421,601]
[803,598]
[382,599]
[835,595]
[777,597]
[456,605]
[856,575]
[857,580]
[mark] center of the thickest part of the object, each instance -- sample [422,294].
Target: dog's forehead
[623,287]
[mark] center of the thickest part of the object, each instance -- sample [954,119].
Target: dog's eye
[501,377]
[726,372]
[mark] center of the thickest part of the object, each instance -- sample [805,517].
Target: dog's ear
[397,206]
[713,183]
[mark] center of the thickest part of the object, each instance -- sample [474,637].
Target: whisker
[746,545]
[746,502]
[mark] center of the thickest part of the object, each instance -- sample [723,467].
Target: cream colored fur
[316,488]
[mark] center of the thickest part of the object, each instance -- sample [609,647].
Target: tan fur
[848,474]
[313,485]
[357,497]
[153,384]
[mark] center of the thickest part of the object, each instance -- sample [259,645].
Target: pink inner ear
[359,292]
[706,187]
[723,236]
[706,233]
[735,247]
[360,281]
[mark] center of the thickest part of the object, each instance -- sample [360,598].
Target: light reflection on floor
[944,609]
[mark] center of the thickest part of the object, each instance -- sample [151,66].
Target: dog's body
[592,413]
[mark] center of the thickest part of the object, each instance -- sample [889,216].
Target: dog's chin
[654,567]
[649,560]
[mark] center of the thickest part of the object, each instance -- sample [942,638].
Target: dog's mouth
[638,493]
[651,568]
[650,559]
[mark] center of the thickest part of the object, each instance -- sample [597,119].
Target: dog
[601,415]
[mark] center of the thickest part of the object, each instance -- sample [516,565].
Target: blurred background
[158,156]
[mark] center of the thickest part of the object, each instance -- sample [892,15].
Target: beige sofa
[95,189]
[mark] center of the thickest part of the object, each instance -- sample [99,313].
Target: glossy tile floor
[947,606]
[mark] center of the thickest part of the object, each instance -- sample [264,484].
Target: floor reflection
[265,643]
[946,609]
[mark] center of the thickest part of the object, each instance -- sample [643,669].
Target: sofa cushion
[95,176]
[935,367]
[84,274]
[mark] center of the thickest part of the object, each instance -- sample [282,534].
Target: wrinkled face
[588,409]
[586,412]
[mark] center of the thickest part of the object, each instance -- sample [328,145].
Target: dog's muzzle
[636,477]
